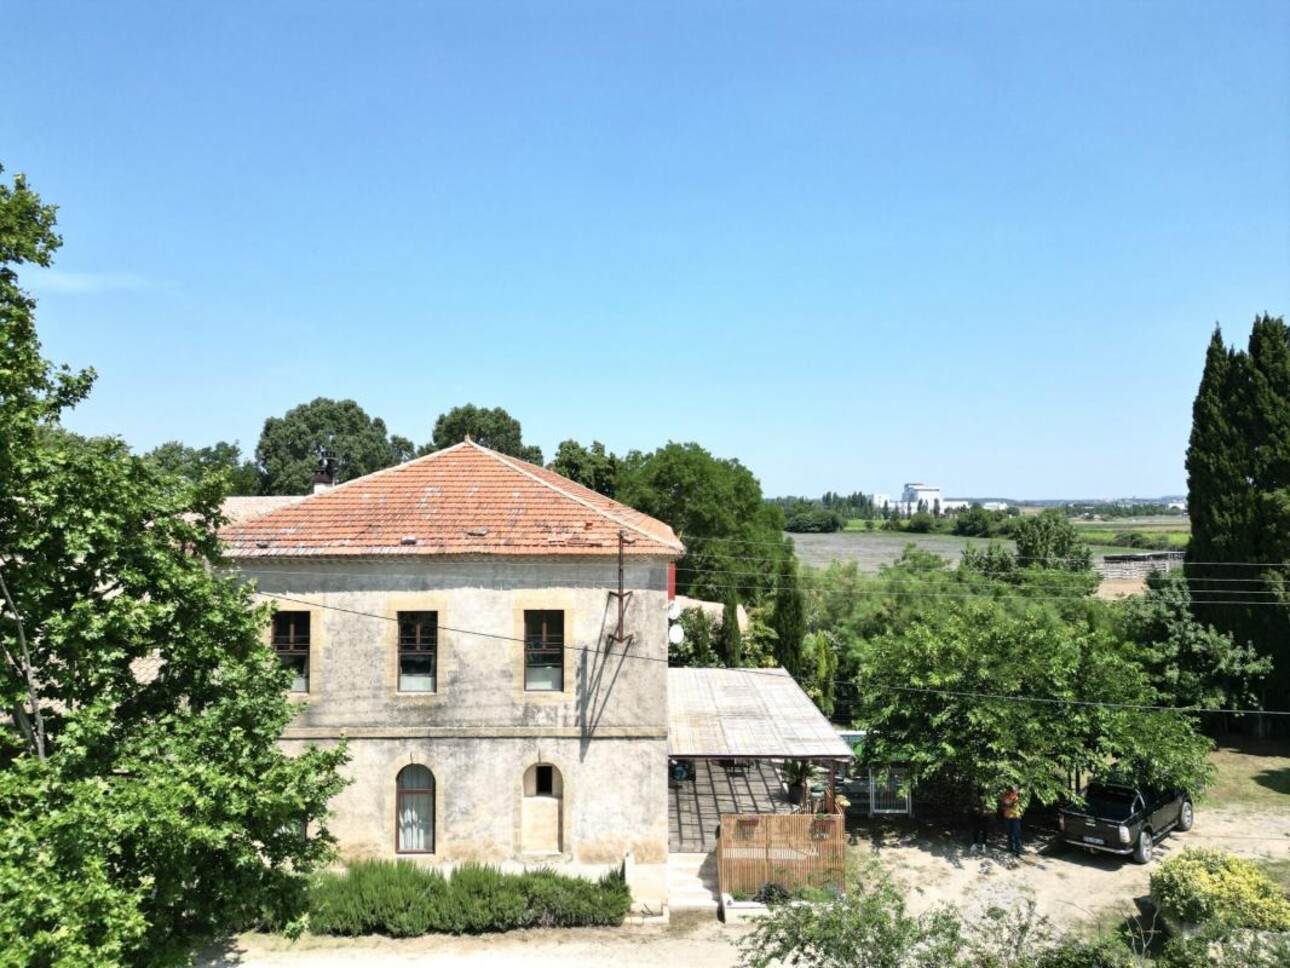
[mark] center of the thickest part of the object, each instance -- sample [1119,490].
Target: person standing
[1010,810]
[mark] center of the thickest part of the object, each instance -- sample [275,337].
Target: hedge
[1209,887]
[400,899]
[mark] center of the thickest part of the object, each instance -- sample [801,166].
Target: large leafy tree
[1049,540]
[495,429]
[1238,493]
[1190,663]
[591,467]
[289,446]
[733,538]
[194,463]
[144,802]
[985,695]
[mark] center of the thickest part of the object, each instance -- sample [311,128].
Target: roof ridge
[385,470]
[506,459]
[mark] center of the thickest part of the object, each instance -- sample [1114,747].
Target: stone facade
[601,741]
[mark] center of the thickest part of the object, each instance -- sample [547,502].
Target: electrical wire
[951,589]
[834,682]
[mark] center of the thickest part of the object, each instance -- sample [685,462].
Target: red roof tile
[465,500]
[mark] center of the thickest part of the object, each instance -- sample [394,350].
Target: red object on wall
[671,580]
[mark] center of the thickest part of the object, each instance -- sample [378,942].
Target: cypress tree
[730,642]
[1238,493]
[788,619]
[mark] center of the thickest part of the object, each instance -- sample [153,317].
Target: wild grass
[1251,773]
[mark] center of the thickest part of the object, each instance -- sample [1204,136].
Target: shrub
[401,899]
[771,894]
[376,896]
[1078,953]
[558,901]
[1208,886]
[1223,947]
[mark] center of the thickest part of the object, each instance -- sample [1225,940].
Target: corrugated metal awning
[746,713]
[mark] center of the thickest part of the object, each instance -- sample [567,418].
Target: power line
[1139,707]
[951,589]
[833,682]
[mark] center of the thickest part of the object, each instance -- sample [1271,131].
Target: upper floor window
[418,651]
[544,651]
[291,642]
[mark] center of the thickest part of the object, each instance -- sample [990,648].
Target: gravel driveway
[1069,887]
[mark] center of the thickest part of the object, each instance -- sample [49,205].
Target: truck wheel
[1186,816]
[1142,849]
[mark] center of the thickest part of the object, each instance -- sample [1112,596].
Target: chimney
[325,475]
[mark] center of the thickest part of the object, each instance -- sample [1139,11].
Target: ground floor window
[414,810]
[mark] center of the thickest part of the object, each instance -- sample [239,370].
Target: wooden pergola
[753,716]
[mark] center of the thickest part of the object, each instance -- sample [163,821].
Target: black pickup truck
[1124,820]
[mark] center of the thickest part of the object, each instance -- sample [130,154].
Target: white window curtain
[415,809]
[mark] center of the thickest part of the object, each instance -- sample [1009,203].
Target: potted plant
[797,776]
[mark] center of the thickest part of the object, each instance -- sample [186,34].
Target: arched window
[414,811]
[543,780]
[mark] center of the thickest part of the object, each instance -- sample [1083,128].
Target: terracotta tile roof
[240,508]
[464,500]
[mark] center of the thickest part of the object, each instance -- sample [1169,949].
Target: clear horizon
[982,244]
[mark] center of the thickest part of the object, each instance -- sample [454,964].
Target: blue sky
[981,245]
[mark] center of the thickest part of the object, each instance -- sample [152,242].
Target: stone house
[490,639]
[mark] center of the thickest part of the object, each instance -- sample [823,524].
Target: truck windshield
[1111,803]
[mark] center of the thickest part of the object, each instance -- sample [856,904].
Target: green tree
[730,645]
[868,927]
[193,464]
[732,536]
[1238,493]
[987,695]
[994,562]
[789,618]
[1049,540]
[819,670]
[977,522]
[495,429]
[696,648]
[289,445]
[1190,664]
[921,521]
[590,466]
[145,802]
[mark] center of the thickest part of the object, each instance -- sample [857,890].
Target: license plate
[1094,840]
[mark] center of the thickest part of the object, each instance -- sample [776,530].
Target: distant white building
[916,494]
[928,495]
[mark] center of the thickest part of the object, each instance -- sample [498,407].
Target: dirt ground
[1074,890]
[693,938]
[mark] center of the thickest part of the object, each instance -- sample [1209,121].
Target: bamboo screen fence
[793,850]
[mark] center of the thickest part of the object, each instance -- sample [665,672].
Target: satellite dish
[673,610]
[676,635]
